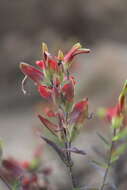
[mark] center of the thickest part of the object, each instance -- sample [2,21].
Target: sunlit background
[24,25]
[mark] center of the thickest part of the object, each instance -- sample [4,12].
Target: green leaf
[118,152]
[102,165]
[103,139]
[114,158]
[122,134]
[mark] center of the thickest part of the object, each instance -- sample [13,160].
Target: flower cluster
[55,84]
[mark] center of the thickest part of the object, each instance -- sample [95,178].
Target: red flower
[33,73]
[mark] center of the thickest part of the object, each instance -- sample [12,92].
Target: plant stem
[74,184]
[109,162]
[68,156]
[107,169]
[70,166]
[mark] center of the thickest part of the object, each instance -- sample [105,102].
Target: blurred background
[98,25]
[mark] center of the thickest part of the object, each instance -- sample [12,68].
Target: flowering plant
[64,118]
[55,84]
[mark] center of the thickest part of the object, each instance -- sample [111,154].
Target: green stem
[109,162]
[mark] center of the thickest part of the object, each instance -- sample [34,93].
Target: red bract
[76,49]
[53,64]
[119,109]
[33,73]
[45,91]
[50,61]
[48,124]
[40,63]
[79,112]
[49,112]
[68,91]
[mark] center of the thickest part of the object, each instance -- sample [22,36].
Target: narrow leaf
[56,148]
[75,150]
[103,139]
[122,134]
[120,150]
[49,125]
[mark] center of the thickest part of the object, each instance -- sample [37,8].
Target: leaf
[122,134]
[75,150]
[114,158]
[56,148]
[120,150]
[103,139]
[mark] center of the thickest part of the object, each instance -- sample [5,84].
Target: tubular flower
[75,50]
